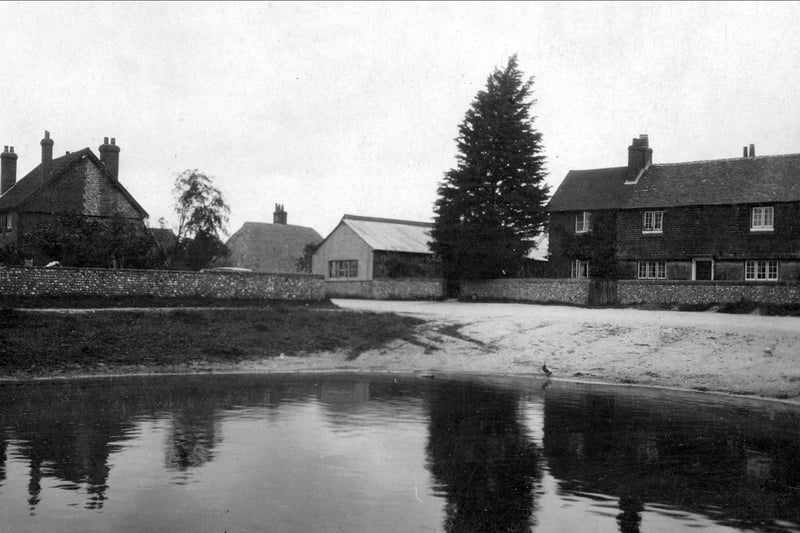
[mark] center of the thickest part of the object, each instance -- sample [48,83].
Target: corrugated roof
[391,235]
[742,180]
[267,247]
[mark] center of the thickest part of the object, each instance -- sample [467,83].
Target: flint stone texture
[387,289]
[567,291]
[159,283]
[706,292]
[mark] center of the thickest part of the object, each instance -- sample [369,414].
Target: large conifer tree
[491,206]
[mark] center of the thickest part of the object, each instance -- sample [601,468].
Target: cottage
[365,248]
[77,182]
[263,247]
[728,219]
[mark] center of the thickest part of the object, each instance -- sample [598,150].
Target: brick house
[728,219]
[264,247]
[366,248]
[77,182]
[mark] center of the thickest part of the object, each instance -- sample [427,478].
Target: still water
[383,454]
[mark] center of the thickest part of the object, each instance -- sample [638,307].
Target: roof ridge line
[386,220]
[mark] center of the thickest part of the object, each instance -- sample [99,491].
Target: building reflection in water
[735,464]
[482,458]
[739,467]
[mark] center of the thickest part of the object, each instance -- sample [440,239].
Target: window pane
[658,218]
[768,217]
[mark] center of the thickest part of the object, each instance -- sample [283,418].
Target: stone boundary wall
[706,292]
[387,289]
[539,290]
[159,283]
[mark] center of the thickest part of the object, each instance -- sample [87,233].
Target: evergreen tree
[491,206]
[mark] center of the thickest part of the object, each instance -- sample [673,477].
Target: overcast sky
[338,108]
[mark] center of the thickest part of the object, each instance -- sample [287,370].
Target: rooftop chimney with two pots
[279,216]
[109,156]
[8,169]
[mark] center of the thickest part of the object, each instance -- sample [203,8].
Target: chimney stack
[640,155]
[752,150]
[8,169]
[744,151]
[109,156]
[279,216]
[47,155]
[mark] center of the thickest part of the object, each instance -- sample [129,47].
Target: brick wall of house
[387,289]
[161,284]
[567,291]
[722,232]
[706,292]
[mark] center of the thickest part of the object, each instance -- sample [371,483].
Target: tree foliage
[202,215]
[77,240]
[304,263]
[491,206]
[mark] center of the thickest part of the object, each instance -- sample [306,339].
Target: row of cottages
[77,182]
[365,248]
[264,247]
[726,219]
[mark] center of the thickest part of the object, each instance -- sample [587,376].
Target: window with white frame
[343,269]
[5,221]
[762,219]
[652,270]
[583,222]
[653,222]
[761,270]
[580,269]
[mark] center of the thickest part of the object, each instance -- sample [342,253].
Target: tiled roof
[267,247]
[29,184]
[742,180]
[390,235]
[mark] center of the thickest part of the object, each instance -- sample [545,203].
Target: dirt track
[744,354]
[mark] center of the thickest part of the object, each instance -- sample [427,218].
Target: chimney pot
[752,150]
[744,151]
[109,156]
[640,155]
[47,155]
[5,149]
[8,169]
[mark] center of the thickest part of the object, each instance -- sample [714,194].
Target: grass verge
[46,342]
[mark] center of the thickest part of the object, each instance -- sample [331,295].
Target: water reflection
[737,466]
[482,458]
[359,453]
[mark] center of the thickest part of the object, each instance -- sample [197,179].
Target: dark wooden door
[703,269]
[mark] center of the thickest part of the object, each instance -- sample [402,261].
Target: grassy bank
[45,342]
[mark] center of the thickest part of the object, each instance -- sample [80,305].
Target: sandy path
[744,354]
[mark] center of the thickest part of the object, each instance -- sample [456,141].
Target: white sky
[338,108]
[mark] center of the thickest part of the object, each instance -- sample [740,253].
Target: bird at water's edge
[546,370]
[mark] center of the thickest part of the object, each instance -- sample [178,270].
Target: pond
[351,453]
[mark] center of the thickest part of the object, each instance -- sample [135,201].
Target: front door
[703,269]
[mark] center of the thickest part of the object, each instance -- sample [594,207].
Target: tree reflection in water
[482,459]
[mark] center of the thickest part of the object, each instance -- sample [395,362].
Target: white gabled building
[365,248]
